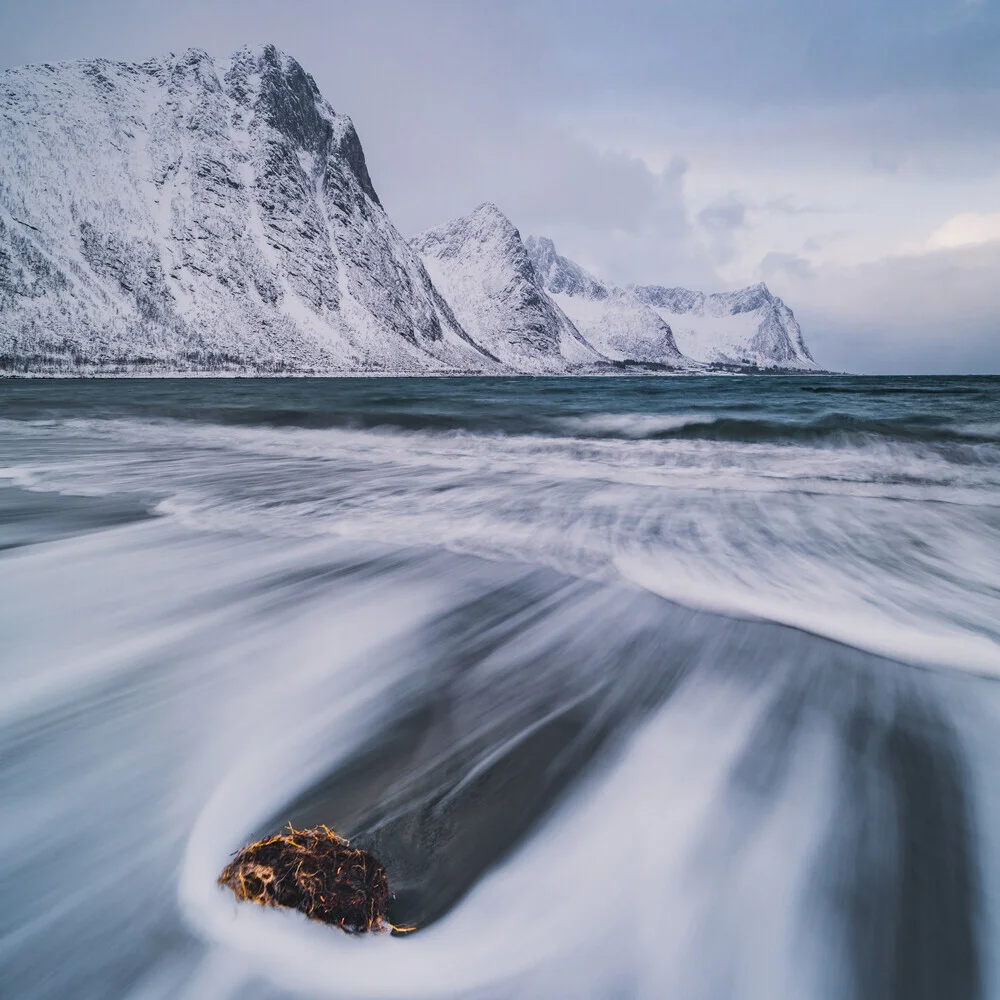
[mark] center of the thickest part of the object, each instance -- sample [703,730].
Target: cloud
[723,216]
[785,205]
[966,229]
[658,243]
[782,52]
[550,178]
[932,312]
[791,264]
[718,225]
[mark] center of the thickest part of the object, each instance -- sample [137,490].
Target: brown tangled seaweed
[314,871]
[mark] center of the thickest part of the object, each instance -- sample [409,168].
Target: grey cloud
[936,312]
[560,180]
[787,206]
[723,216]
[543,178]
[787,50]
[719,223]
[658,245]
[776,263]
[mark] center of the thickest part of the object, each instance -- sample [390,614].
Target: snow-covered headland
[189,215]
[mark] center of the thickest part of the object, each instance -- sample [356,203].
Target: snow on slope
[750,327]
[192,214]
[484,272]
[612,319]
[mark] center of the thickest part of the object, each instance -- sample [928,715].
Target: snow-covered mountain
[750,327]
[191,214]
[485,273]
[188,213]
[614,320]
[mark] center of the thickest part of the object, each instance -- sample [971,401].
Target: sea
[665,687]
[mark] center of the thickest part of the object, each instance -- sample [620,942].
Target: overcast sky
[847,152]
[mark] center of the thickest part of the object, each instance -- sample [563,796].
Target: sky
[847,152]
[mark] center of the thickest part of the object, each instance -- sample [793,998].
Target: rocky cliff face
[483,269]
[614,320]
[750,327]
[188,213]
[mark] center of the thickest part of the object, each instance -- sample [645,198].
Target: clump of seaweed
[314,871]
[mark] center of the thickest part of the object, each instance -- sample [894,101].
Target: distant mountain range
[188,215]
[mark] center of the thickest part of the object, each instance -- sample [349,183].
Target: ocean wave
[631,426]
[844,429]
[883,538]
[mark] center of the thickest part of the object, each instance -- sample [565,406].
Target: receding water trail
[432,615]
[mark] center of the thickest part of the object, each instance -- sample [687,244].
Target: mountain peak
[612,319]
[543,245]
[488,217]
[194,55]
[559,274]
[488,210]
[267,58]
[218,214]
[290,101]
[749,327]
[485,224]
[486,274]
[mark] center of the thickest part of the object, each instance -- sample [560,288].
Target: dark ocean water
[640,687]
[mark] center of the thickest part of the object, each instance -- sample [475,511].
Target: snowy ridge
[750,327]
[483,269]
[192,214]
[188,214]
[614,320]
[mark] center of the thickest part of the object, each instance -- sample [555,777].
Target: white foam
[658,809]
[887,546]
[881,630]
[633,425]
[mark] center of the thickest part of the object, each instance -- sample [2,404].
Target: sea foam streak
[888,545]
